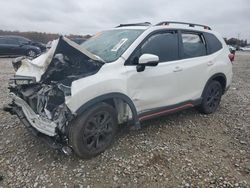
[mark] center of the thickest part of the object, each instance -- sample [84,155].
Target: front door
[155,86]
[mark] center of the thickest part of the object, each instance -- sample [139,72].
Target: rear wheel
[211,97]
[94,130]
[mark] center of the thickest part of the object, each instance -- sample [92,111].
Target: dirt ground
[186,149]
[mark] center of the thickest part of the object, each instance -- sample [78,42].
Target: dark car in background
[78,40]
[17,45]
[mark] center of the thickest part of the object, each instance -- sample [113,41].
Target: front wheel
[94,131]
[211,97]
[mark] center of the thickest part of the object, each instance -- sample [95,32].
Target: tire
[31,53]
[211,97]
[90,134]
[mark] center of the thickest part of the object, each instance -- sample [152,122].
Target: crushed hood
[38,66]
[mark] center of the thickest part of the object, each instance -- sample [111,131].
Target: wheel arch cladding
[109,98]
[221,78]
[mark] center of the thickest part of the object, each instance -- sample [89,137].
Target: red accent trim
[166,111]
[231,57]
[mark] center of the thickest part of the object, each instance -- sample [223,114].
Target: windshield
[110,45]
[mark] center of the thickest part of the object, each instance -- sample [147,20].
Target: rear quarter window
[213,44]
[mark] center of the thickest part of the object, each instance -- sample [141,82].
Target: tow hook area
[63,148]
[8,108]
[67,150]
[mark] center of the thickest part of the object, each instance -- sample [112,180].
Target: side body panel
[155,87]
[191,77]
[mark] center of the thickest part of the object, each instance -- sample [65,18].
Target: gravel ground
[185,149]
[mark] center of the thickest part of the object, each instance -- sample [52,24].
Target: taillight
[231,57]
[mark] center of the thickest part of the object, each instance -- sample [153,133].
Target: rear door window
[193,45]
[12,41]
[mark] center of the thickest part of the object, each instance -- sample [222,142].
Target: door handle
[177,69]
[210,63]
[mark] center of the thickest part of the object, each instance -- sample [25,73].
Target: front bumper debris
[54,142]
[41,124]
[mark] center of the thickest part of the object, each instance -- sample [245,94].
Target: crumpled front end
[40,88]
[41,109]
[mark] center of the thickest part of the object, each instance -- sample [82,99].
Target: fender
[121,96]
[213,78]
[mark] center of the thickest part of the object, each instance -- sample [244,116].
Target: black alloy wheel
[94,130]
[98,131]
[211,97]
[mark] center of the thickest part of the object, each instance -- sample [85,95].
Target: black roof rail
[184,23]
[135,24]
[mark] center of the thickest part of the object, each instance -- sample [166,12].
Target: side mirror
[147,60]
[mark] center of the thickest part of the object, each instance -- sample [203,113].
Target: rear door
[191,70]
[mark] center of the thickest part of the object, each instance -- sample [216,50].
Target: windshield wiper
[99,58]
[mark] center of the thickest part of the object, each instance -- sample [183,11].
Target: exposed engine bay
[45,93]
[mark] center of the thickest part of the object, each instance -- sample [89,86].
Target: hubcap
[31,53]
[213,97]
[98,131]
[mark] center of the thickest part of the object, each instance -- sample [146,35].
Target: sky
[229,17]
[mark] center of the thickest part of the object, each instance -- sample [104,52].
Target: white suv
[75,96]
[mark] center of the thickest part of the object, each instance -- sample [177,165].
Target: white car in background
[246,48]
[231,48]
[75,96]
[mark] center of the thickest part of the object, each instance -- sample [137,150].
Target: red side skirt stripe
[166,111]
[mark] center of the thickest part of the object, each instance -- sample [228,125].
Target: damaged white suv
[74,97]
